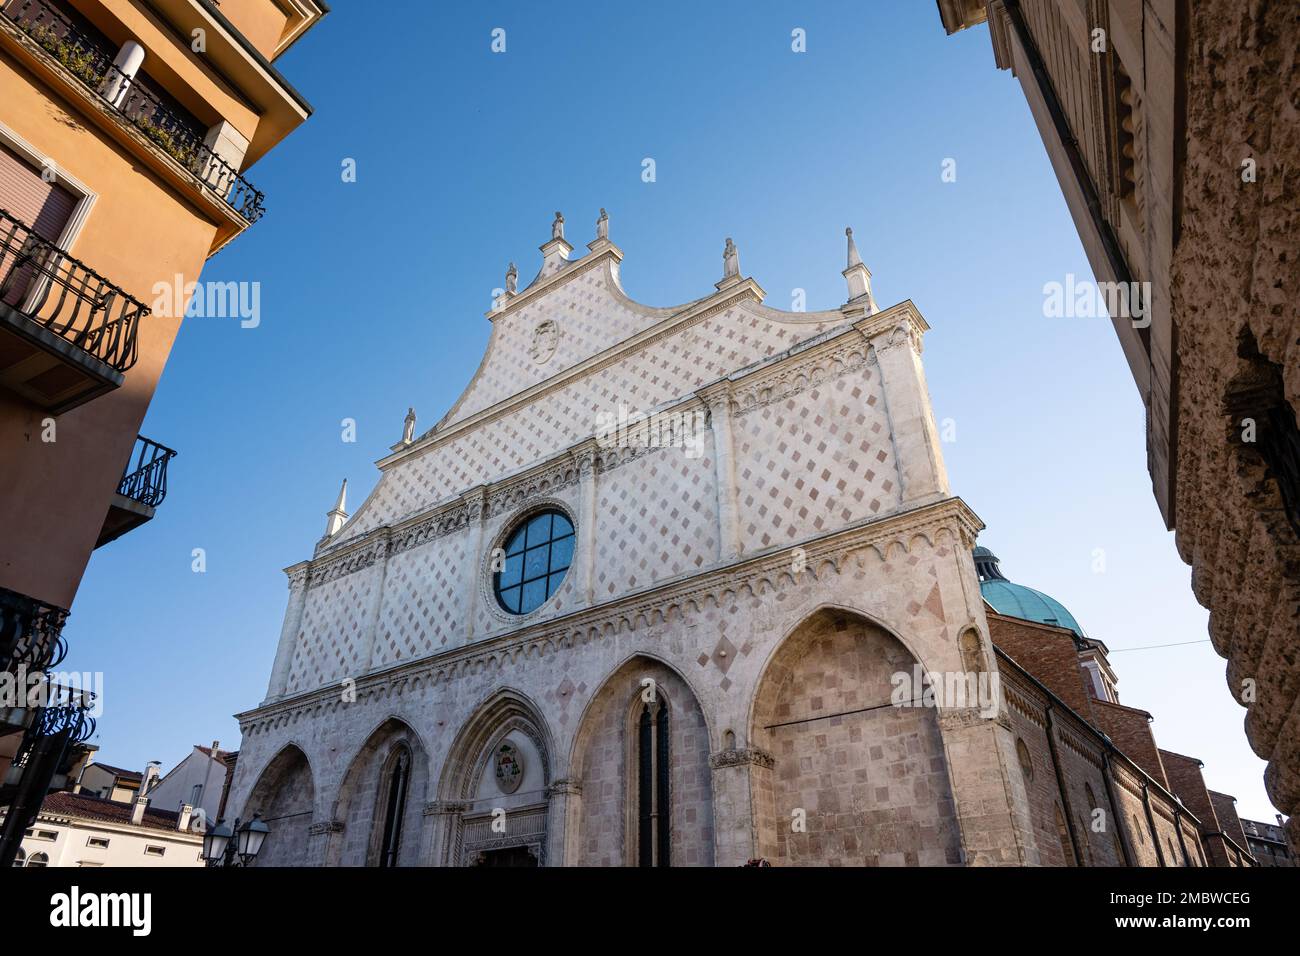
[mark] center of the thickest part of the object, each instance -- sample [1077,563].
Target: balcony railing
[145,479]
[31,633]
[67,297]
[86,59]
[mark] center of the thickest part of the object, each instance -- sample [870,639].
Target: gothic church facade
[641,598]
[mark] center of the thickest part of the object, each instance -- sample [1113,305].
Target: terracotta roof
[118,771]
[220,755]
[84,807]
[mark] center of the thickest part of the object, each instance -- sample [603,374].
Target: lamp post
[223,846]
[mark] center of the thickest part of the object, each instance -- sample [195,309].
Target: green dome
[1016,600]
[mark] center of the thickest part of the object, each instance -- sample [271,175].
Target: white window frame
[86,197]
[72,228]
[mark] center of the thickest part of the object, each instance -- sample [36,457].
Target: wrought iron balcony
[86,59]
[47,755]
[66,333]
[31,642]
[141,491]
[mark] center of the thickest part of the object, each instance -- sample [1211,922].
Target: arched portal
[856,780]
[494,794]
[381,800]
[285,796]
[642,758]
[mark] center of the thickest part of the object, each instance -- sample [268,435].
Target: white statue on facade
[408,427]
[557,227]
[512,279]
[602,225]
[730,260]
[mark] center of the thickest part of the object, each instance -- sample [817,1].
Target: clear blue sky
[373,296]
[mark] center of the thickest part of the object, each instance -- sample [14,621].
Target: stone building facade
[754,536]
[1171,128]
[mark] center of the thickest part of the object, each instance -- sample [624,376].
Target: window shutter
[46,207]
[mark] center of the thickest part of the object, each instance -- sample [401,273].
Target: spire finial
[858,277]
[854,258]
[337,516]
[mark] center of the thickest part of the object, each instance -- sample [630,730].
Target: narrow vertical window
[394,808]
[653,796]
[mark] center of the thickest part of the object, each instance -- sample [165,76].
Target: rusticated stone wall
[1235,286]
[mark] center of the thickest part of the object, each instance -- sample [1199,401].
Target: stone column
[126,65]
[376,603]
[735,817]
[562,814]
[718,400]
[475,512]
[896,344]
[988,789]
[586,543]
[441,835]
[279,683]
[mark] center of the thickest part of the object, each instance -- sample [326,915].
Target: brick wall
[1048,654]
[1130,729]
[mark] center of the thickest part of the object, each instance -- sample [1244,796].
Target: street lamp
[223,846]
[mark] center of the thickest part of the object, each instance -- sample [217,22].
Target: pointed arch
[641,758]
[847,751]
[501,711]
[365,799]
[285,796]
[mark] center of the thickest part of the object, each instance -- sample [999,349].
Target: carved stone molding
[347,563]
[329,826]
[800,373]
[741,757]
[445,807]
[564,788]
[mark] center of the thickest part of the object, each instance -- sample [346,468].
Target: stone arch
[854,779]
[506,730]
[603,763]
[285,796]
[358,804]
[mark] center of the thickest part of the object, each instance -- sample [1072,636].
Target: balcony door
[44,207]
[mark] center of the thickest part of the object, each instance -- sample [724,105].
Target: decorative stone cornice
[897,324]
[835,357]
[329,826]
[741,757]
[927,526]
[348,562]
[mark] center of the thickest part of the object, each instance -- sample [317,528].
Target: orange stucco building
[126,130]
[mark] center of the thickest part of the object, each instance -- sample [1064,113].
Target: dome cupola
[1017,600]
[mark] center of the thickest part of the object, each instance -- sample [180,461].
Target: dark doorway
[509,856]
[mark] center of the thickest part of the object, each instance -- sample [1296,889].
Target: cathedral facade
[647,595]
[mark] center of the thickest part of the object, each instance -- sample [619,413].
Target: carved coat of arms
[509,764]
[546,336]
